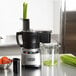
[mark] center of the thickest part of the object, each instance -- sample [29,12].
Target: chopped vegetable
[49,63]
[5,60]
[0,61]
[68,59]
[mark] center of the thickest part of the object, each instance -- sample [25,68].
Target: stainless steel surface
[6,72]
[30,50]
[58,70]
[31,59]
[31,72]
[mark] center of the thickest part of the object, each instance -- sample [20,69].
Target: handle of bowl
[17,38]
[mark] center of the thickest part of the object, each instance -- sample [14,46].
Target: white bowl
[5,66]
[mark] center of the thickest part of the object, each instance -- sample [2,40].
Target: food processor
[30,54]
[30,49]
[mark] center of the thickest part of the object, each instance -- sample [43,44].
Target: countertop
[57,70]
[10,40]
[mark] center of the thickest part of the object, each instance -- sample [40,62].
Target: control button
[31,52]
[26,52]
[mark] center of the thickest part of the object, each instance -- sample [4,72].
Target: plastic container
[50,53]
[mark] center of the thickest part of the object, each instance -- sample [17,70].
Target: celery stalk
[68,59]
[25,5]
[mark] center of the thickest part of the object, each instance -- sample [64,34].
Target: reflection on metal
[30,72]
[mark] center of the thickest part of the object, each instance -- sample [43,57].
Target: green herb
[49,63]
[69,59]
[25,5]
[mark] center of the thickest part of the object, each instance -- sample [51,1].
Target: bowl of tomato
[5,62]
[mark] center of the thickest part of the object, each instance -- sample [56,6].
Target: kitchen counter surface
[57,70]
[10,40]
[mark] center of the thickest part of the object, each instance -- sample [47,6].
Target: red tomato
[5,60]
[0,61]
